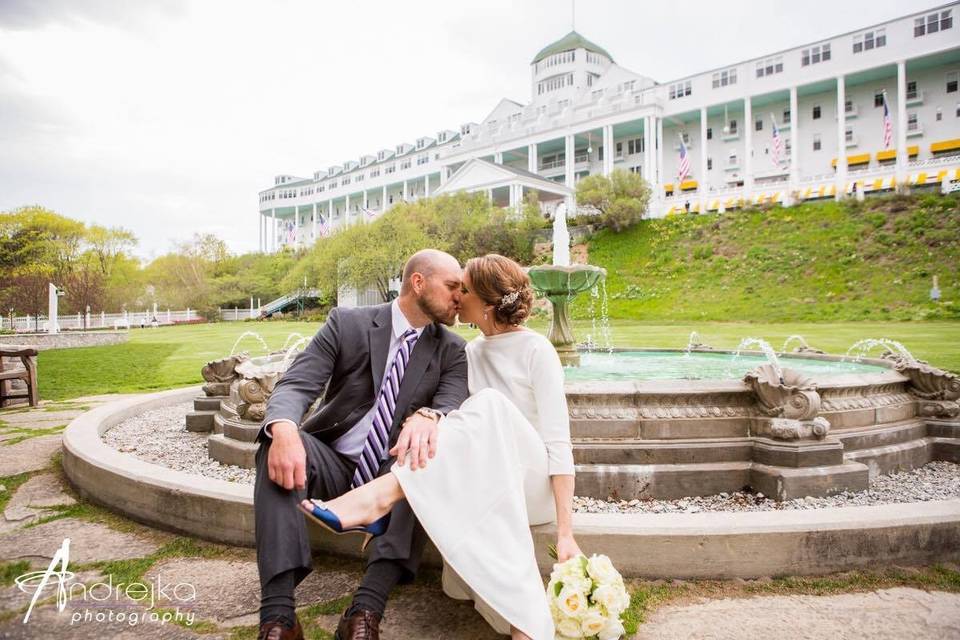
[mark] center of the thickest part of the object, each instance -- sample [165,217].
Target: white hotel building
[589,115]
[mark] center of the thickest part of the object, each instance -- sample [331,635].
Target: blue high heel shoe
[329,521]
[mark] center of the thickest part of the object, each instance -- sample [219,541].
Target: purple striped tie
[379,434]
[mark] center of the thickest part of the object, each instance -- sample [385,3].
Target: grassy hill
[822,261]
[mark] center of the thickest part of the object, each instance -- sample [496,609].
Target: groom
[316,456]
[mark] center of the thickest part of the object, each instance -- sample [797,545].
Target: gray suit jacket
[344,364]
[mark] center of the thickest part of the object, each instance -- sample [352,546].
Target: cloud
[26,15]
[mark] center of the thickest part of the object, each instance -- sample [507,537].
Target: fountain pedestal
[560,285]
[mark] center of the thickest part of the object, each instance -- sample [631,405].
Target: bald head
[431,286]
[427,262]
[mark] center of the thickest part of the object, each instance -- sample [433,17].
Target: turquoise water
[670,365]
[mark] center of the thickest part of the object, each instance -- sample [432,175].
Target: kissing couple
[419,434]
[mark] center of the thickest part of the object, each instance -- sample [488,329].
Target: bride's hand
[567,548]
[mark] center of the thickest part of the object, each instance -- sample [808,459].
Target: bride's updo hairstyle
[503,283]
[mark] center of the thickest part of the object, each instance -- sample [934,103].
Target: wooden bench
[27,372]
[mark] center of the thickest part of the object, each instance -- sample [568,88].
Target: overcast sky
[167,117]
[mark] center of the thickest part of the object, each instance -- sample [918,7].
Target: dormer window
[420,143]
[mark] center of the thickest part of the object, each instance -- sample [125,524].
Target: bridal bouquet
[586,598]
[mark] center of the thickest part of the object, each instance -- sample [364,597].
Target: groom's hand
[287,459]
[417,438]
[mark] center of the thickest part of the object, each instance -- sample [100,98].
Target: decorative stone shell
[794,398]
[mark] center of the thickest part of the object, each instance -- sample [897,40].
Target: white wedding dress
[490,479]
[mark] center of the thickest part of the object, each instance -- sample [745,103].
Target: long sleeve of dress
[546,374]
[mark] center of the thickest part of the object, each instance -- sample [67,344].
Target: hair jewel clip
[510,298]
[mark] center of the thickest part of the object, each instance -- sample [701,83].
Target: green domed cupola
[569,42]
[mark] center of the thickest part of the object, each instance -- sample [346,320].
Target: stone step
[200,421]
[661,481]
[244,432]
[880,436]
[634,451]
[947,449]
[229,451]
[786,483]
[902,456]
[205,403]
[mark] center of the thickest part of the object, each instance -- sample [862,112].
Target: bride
[504,463]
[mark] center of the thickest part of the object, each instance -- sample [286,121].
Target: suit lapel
[380,344]
[419,360]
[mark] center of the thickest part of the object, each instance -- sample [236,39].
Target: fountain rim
[572,268]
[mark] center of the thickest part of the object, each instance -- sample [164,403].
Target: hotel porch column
[748,147]
[260,230]
[794,144]
[902,126]
[659,156]
[568,174]
[426,186]
[313,232]
[702,178]
[330,215]
[498,157]
[647,150]
[273,243]
[365,201]
[383,199]
[404,191]
[841,178]
[532,157]
[346,208]
[296,226]
[608,149]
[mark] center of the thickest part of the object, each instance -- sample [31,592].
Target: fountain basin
[559,284]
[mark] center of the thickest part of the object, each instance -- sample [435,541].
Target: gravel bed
[933,481]
[159,437]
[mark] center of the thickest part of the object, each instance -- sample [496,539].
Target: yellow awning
[862,158]
[668,186]
[687,185]
[891,154]
[945,145]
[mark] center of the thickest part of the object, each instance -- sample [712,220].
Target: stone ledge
[705,545]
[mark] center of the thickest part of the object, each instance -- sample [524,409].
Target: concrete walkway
[218,585]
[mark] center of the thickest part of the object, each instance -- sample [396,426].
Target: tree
[621,199]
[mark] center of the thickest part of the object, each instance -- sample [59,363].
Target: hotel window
[878,99]
[816,142]
[770,66]
[724,78]
[405,164]
[952,81]
[912,123]
[635,146]
[933,22]
[345,181]
[758,125]
[375,173]
[423,158]
[816,112]
[359,178]
[619,149]
[813,55]
[869,40]
[709,133]
[786,116]
[709,164]
[848,106]
[563,104]
[390,169]
[911,90]
[732,159]
[939,115]
[680,90]
[848,134]
[732,128]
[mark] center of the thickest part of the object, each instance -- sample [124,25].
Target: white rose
[601,569]
[613,630]
[568,628]
[593,622]
[572,602]
[607,596]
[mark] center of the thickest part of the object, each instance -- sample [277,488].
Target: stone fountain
[560,283]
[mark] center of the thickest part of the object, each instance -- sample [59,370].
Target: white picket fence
[78,321]
[238,314]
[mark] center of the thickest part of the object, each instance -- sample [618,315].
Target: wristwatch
[427,412]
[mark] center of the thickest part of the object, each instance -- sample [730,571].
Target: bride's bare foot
[365,504]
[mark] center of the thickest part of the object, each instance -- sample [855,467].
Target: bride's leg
[367,503]
[516,634]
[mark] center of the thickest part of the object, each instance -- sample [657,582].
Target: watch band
[429,413]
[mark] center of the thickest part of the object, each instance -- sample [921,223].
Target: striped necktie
[379,434]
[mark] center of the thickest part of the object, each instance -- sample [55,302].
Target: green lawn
[168,357]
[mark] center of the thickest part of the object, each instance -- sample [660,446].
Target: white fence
[238,313]
[100,320]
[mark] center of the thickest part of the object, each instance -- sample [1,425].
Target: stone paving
[225,585]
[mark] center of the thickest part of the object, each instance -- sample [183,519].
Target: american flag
[370,214]
[683,170]
[887,124]
[323,228]
[777,142]
[291,232]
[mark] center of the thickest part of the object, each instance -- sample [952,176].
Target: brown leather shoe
[363,625]
[275,630]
